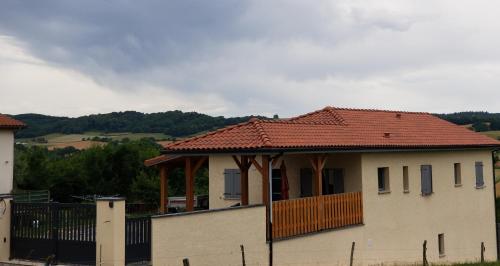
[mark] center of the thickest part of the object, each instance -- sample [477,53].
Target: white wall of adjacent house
[6,160]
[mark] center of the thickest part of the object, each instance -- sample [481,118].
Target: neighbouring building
[311,185]
[7,127]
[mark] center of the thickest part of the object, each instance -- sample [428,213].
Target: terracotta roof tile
[10,123]
[338,128]
[161,159]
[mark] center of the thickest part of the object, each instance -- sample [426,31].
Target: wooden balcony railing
[312,214]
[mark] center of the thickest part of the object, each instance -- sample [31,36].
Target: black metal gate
[60,232]
[137,239]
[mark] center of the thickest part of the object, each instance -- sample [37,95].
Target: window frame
[429,166]
[441,246]
[233,194]
[457,174]
[406,179]
[385,180]
[481,164]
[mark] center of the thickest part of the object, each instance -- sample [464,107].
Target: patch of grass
[76,140]
[492,134]
[492,263]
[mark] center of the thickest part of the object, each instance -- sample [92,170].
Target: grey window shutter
[236,184]
[426,179]
[479,174]
[228,183]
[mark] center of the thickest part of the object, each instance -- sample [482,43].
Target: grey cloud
[256,54]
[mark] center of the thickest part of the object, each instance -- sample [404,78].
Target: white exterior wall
[6,160]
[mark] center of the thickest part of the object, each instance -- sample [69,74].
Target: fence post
[425,263]
[54,211]
[243,255]
[5,220]
[482,252]
[110,231]
[352,253]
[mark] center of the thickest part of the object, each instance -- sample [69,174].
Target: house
[7,127]
[387,181]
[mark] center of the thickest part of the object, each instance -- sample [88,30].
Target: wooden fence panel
[312,214]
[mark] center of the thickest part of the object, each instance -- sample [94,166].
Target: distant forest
[181,124]
[172,123]
[480,121]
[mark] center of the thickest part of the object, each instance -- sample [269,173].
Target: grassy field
[493,263]
[493,134]
[83,141]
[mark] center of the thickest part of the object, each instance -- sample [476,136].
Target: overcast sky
[248,57]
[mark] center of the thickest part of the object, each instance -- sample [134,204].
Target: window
[276,184]
[479,175]
[306,182]
[406,182]
[426,179]
[458,174]
[383,179]
[333,181]
[232,184]
[441,244]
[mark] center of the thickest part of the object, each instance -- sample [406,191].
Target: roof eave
[13,127]
[204,152]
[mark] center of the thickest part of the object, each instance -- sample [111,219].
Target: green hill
[171,123]
[480,121]
[181,124]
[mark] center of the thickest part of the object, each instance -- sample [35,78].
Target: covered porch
[303,193]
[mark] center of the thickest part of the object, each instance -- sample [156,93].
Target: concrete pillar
[110,232]
[5,227]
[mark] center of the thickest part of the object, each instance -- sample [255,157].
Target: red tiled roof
[160,159]
[338,128]
[10,123]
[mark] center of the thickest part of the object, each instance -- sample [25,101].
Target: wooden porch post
[163,188]
[265,180]
[318,163]
[264,171]
[243,164]
[188,172]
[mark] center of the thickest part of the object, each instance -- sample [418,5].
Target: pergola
[191,164]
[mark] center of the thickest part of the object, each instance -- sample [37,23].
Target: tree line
[181,124]
[172,123]
[114,169]
[480,121]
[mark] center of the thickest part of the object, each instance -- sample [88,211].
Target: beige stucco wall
[396,224]
[210,237]
[217,164]
[4,229]
[6,160]
[351,163]
[110,232]
[326,248]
